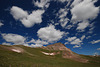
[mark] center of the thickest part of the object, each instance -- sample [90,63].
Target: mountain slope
[66,52]
[33,57]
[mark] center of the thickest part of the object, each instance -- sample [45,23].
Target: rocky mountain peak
[66,52]
[57,46]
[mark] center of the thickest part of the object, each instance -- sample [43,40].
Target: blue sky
[37,23]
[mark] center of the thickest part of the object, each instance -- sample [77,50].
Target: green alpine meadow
[23,56]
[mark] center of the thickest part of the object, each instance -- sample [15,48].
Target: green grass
[37,59]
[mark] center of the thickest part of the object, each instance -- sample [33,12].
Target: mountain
[55,55]
[57,46]
[66,52]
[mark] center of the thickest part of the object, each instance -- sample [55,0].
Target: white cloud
[91,28]
[34,18]
[71,38]
[98,48]
[62,16]
[14,38]
[82,26]
[62,1]
[88,37]
[75,2]
[95,41]
[28,20]
[26,44]
[18,13]
[76,46]
[56,24]
[32,41]
[76,41]
[50,34]
[35,45]
[42,3]
[1,24]
[82,38]
[6,43]
[66,43]
[68,3]
[41,42]
[63,12]
[69,26]
[63,22]
[96,54]
[84,10]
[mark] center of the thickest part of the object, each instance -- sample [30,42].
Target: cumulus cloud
[66,43]
[1,24]
[75,41]
[14,38]
[62,16]
[75,2]
[82,38]
[41,42]
[37,43]
[56,24]
[41,3]
[84,10]
[63,12]
[28,20]
[50,34]
[34,18]
[82,26]
[88,37]
[76,46]
[6,43]
[18,13]
[71,38]
[69,26]
[62,1]
[63,22]
[95,41]
[92,27]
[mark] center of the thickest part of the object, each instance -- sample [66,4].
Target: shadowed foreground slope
[33,57]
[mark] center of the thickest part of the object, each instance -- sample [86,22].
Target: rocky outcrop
[57,46]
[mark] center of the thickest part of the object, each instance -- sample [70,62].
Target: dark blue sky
[35,23]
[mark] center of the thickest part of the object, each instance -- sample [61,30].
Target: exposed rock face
[66,52]
[57,46]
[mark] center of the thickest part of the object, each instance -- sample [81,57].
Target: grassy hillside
[32,57]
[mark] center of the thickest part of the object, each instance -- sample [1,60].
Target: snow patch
[16,50]
[48,53]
